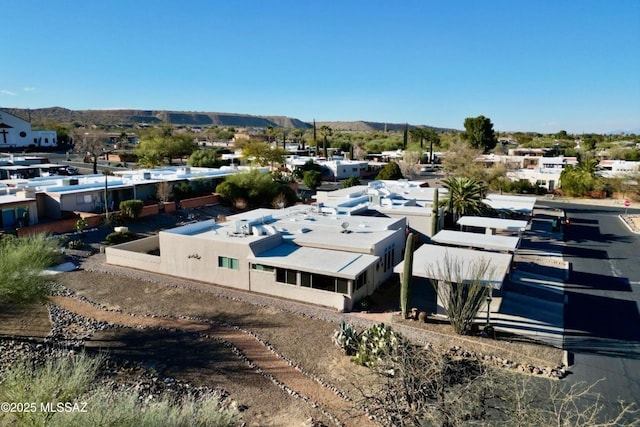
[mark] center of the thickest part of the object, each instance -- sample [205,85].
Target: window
[325,283]
[305,279]
[230,263]
[342,286]
[260,267]
[84,199]
[284,275]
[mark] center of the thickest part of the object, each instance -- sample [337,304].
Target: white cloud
[29,89]
[7,92]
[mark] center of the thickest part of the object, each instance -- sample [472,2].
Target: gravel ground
[299,333]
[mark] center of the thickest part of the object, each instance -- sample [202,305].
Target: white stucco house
[300,253]
[17,133]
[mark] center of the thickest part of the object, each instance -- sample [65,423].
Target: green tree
[309,165]
[589,143]
[206,158]
[150,159]
[405,136]
[312,179]
[578,181]
[479,133]
[264,154]
[253,189]
[21,263]
[163,143]
[465,197]
[326,132]
[391,171]
[352,181]
[131,209]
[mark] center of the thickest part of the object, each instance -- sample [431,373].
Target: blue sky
[527,65]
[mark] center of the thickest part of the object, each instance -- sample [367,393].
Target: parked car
[70,171]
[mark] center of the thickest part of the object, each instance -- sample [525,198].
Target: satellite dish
[345,226]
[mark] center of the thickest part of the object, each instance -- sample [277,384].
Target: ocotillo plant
[405,292]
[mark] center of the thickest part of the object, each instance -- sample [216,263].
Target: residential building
[304,253]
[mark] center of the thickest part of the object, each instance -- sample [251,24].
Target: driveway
[602,318]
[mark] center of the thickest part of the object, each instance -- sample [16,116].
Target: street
[602,321]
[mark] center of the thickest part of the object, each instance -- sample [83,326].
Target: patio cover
[429,262]
[476,240]
[497,223]
[347,265]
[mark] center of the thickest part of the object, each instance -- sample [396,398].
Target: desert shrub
[350,182]
[81,224]
[182,190]
[391,171]
[73,379]
[347,338]
[75,244]
[131,208]
[126,409]
[312,179]
[375,344]
[114,219]
[21,263]
[523,187]
[58,380]
[118,237]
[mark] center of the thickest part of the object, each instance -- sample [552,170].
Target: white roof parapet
[431,261]
[476,240]
[497,223]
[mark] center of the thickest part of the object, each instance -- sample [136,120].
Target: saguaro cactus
[405,292]
[435,213]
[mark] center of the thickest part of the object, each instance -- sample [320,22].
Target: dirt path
[254,350]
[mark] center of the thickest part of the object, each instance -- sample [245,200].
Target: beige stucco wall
[134,254]
[196,258]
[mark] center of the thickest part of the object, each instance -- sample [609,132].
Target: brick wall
[197,202]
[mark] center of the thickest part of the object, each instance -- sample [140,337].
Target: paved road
[602,316]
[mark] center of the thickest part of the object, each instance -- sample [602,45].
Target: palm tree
[465,196]
[325,131]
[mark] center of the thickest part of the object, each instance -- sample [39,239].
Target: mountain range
[128,118]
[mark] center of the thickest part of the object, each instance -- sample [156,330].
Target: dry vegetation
[303,340]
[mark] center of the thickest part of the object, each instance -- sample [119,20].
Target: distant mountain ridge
[126,117]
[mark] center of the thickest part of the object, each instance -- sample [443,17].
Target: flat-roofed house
[299,253]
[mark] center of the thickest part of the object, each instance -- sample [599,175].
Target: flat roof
[302,224]
[511,205]
[430,261]
[497,223]
[512,197]
[347,265]
[12,198]
[477,240]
